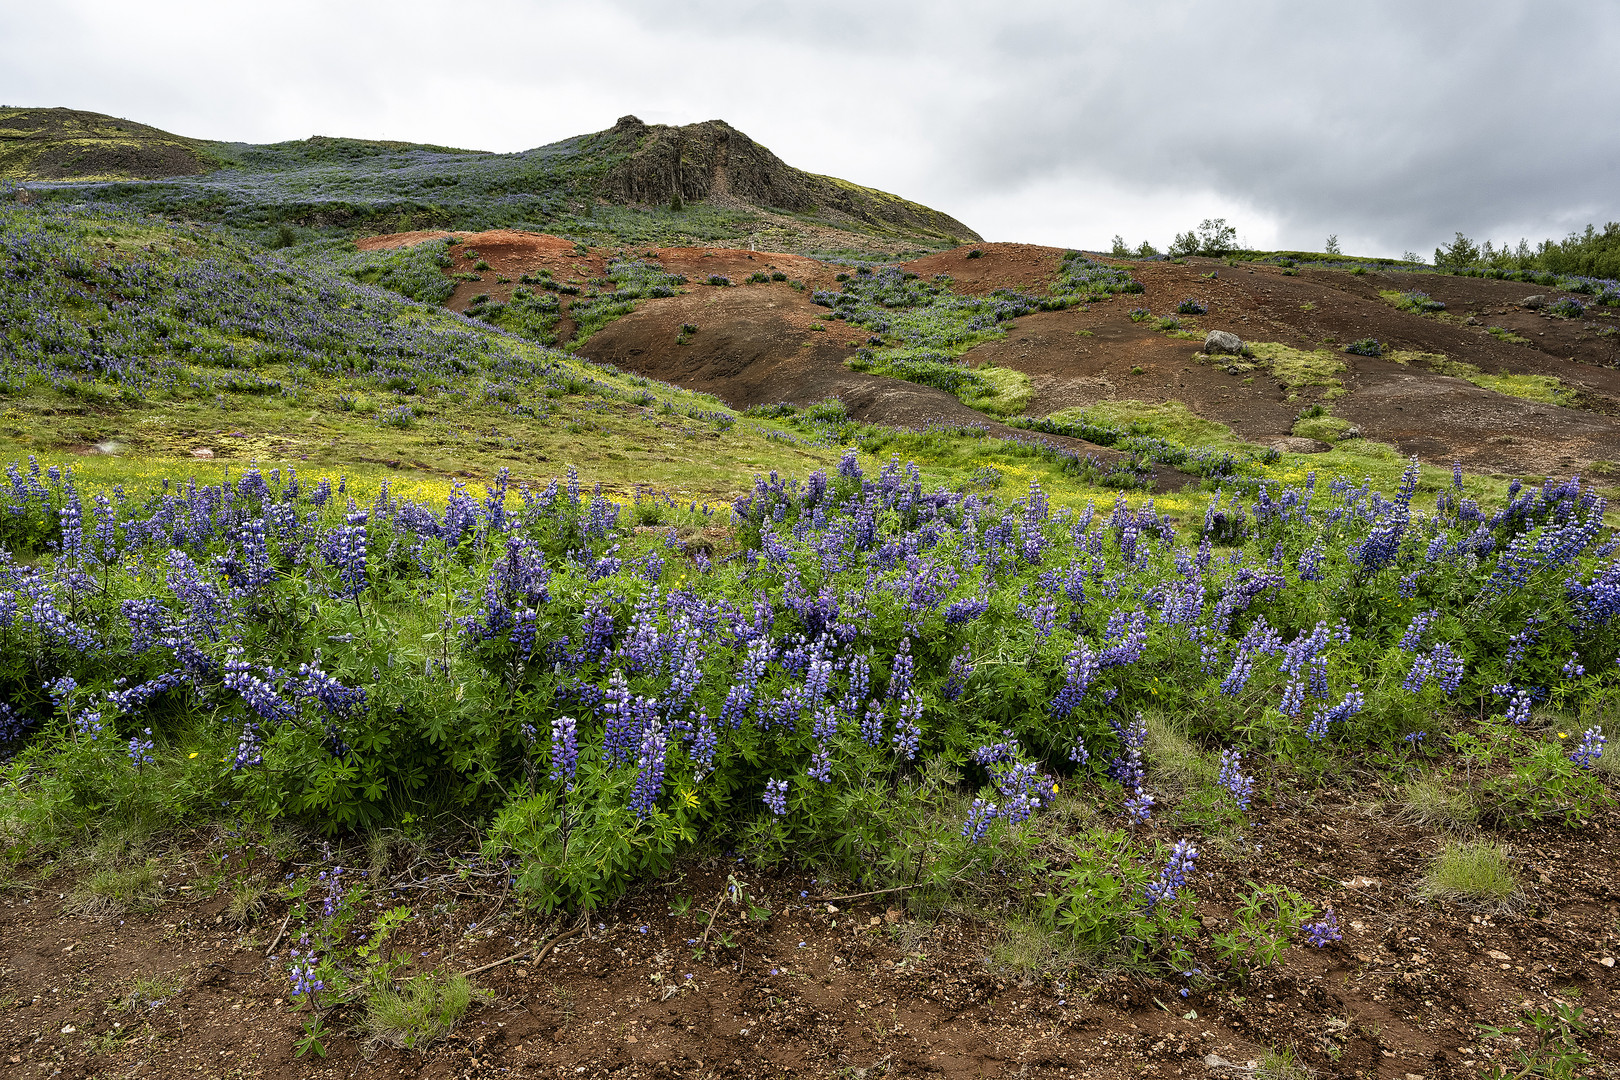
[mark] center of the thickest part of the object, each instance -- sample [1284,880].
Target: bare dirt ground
[828,986]
[756,344]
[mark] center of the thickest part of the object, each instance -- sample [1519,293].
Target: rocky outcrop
[653,164]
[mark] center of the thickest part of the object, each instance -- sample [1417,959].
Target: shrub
[1190,306]
[1566,308]
[718,279]
[1365,347]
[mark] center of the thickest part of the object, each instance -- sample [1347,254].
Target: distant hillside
[68,144]
[613,186]
[653,164]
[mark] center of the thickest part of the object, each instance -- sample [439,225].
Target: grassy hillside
[618,185]
[69,144]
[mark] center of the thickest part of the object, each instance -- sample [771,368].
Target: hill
[70,144]
[614,186]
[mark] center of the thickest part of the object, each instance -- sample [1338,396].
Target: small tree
[1213,237]
[1332,247]
[1120,249]
[1462,252]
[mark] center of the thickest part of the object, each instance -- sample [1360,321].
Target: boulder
[1295,444]
[1533,302]
[1222,343]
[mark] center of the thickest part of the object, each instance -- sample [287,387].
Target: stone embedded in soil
[1222,343]
[1295,444]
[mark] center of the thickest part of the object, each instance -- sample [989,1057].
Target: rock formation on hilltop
[714,162]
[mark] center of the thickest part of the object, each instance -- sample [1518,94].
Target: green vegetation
[421,1011]
[1589,254]
[1472,870]
[593,188]
[1298,369]
[1543,388]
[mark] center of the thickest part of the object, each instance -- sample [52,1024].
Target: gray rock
[1222,342]
[1351,433]
[1533,301]
[1295,444]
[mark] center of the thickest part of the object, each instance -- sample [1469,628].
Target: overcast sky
[1390,124]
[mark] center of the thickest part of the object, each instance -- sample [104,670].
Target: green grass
[1475,871]
[115,890]
[421,1011]
[1542,388]
[149,991]
[1172,420]
[1004,392]
[1296,368]
[1328,429]
[1436,799]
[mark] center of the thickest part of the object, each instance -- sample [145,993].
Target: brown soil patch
[755,346]
[816,989]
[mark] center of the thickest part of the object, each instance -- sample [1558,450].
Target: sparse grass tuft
[1435,800]
[1172,759]
[150,991]
[421,1011]
[1475,871]
[246,903]
[114,891]
[1281,1064]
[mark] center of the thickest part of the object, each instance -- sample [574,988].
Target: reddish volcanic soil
[755,344]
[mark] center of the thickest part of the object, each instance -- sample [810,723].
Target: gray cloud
[1389,124]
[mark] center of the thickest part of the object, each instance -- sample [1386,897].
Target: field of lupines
[849,670]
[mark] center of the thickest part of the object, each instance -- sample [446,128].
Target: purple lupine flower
[1589,749]
[333,881]
[1238,677]
[1078,752]
[1081,668]
[776,796]
[1422,668]
[908,728]
[1173,878]
[705,742]
[1351,704]
[248,748]
[996,753]
[961,670]
[1518,709]
[1448,668]
[140,749]
[564,750]
[1139,807]
[1233,779]
[872,724]
[980,816]
[650,781]
[302,974]
[1323,931]
[345,548]
[1572,666]
[900,674]
[1412,640]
